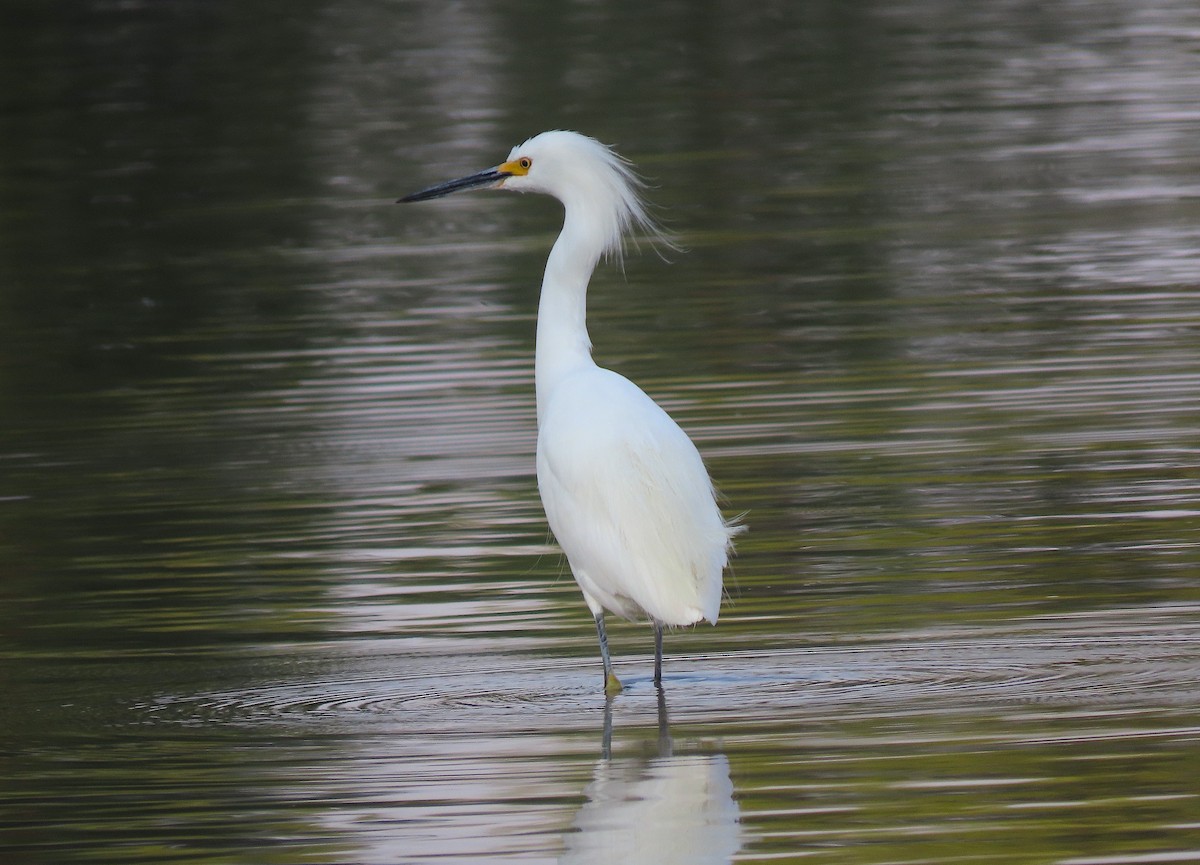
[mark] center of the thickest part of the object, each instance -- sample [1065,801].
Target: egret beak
[491,177]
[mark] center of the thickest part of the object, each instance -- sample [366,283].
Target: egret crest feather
[609,196]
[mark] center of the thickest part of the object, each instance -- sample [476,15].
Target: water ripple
[1060,663]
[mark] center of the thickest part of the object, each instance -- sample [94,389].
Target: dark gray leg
[658,653]
[611,683]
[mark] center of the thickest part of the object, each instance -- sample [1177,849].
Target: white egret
[625,491]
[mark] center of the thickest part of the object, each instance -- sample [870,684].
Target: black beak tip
[423,195]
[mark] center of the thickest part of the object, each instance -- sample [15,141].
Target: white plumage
[629,501]
[625,490]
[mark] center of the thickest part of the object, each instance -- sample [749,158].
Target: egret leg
[612,684]
[658,653]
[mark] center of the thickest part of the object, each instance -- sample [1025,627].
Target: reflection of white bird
[624,488]
[670,810]
[665,810]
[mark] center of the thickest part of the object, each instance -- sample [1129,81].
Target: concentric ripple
[1062,663]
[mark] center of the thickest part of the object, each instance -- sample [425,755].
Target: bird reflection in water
[660,809]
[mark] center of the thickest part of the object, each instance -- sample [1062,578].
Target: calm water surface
[275,585]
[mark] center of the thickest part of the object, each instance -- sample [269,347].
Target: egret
[625,491]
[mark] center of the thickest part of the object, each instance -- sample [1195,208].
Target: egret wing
[630,502]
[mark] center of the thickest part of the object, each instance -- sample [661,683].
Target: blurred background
[275,582]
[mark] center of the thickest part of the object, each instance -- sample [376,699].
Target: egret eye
[525,162]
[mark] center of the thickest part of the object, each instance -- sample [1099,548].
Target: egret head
[597,187]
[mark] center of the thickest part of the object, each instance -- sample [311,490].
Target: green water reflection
[274,581]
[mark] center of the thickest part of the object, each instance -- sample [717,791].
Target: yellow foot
[612,685]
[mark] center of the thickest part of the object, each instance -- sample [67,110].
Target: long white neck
[562,337]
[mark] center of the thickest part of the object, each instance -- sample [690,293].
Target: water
[275,585]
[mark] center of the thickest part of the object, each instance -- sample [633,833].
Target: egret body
[625,490]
